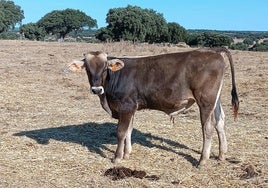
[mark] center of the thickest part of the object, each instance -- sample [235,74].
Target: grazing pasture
[53,133]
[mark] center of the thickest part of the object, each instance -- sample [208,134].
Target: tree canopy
[176,33]
[136,24]
[10,15]
[62,22]
[32,31]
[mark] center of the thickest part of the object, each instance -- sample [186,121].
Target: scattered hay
[152,177]
[233,160]
[176,182]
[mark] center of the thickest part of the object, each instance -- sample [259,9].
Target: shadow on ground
[95,137]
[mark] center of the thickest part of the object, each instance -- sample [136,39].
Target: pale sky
[238,15]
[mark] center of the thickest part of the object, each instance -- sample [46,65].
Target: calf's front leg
[124,130]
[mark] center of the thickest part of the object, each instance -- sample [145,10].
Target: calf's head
[96,66]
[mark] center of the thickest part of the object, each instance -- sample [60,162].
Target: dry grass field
[53,133]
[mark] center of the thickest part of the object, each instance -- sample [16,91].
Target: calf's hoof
[222,157]
[116,160]
[126,156]
[202,162]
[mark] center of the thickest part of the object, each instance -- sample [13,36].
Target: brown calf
[171,83]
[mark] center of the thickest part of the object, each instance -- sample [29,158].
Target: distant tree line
[234,34]
[130,23]
[209,39]
[251,40]
[263,46]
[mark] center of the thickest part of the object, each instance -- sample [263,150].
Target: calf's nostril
[93,91]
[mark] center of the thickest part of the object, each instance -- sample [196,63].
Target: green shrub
[239,46]
[9,36]
[249,41]
[32,31]
[263,47]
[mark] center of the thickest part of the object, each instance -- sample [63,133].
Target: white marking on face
[102,56]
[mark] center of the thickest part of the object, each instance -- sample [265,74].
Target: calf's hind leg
[219,117]
[207,130]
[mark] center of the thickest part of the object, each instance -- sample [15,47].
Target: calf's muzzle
[97,90]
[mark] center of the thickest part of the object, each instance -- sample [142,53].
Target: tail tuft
[235,102]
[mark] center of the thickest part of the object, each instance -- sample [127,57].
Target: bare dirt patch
[53,133]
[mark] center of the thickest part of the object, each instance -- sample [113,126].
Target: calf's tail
[235,100]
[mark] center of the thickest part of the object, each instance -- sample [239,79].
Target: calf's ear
[76,66]
[115,64]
